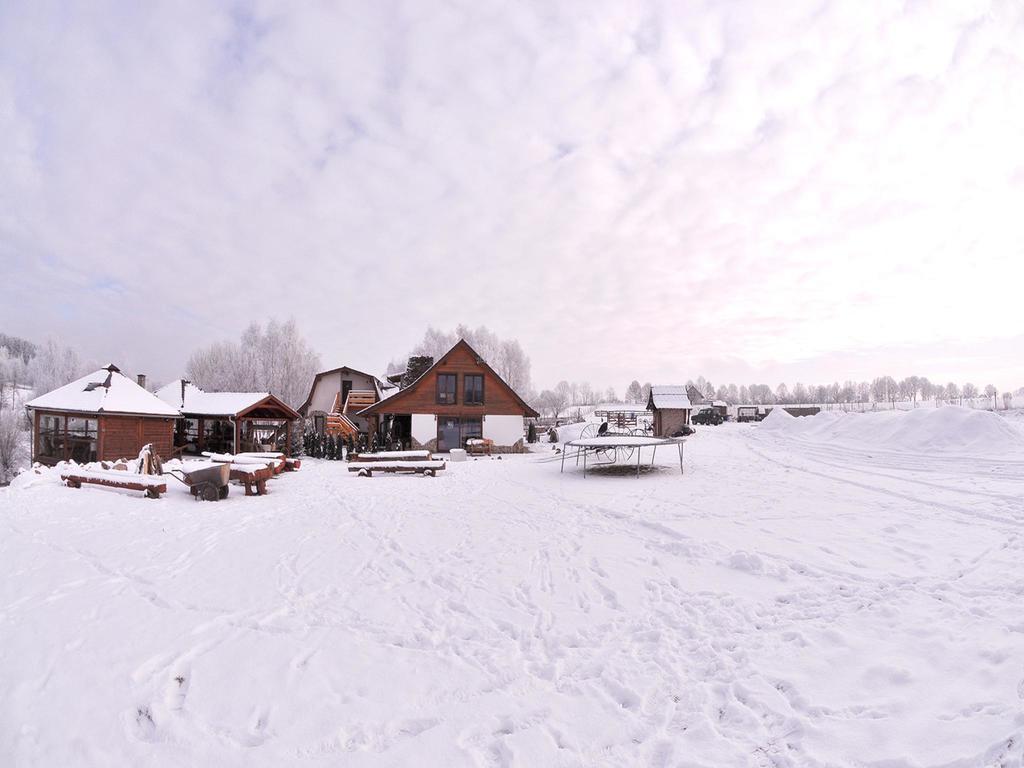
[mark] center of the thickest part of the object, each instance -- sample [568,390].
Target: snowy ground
[790,601]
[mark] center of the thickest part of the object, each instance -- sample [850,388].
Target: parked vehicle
[708,417]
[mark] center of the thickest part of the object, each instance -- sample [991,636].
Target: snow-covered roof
[203,403]
[104,391]
[669,396]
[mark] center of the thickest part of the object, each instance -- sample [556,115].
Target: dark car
[709,417]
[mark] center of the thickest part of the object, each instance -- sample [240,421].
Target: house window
[81,439]
[452,431]
[446,383]
[474,389]
[51,438]
[471,427]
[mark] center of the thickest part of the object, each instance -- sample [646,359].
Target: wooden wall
[422,396]
[122,437]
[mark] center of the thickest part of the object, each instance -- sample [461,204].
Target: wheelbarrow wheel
[210,492]
[224,491]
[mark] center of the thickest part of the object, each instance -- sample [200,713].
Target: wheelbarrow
[209,483]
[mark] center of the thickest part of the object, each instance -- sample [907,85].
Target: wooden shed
[228,422]
[459,398]
[103,416]
[671,408]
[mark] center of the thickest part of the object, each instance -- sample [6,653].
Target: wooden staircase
[338,421]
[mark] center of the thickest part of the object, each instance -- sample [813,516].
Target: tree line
[882,389]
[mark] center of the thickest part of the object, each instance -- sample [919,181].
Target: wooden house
[103,416]
[671,408]
[458,398]
[228,422]
[335,398]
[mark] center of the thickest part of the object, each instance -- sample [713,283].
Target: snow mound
[949,429]
[779,419]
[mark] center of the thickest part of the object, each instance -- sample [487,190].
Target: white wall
[424,427]
[504,430]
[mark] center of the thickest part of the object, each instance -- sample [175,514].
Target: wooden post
[201,441]
[288,438]
[238,434]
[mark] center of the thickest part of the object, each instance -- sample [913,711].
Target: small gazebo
[228,422]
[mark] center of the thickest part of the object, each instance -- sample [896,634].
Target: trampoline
[608,448]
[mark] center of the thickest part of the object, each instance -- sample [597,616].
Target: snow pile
[778,419]
[949,429]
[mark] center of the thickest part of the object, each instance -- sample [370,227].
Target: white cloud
[626,187]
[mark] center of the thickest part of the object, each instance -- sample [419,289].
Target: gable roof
[379,405]
[188,398]
[104,391]
[668,397]
[316,379]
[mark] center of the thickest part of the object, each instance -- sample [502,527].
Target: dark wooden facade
[421,396]
[117,436]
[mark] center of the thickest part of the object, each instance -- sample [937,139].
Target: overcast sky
[748,191]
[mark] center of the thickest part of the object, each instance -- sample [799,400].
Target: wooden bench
[367,468]
[386,456]
[479,446]
[252,478]
[152,485]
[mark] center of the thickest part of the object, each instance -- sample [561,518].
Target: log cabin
[228,422]
[103,416]
[460,397]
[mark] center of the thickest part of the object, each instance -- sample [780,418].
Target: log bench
[391,456]
[252,478]
[367,468]
[152,485]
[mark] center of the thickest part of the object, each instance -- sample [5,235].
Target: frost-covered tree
[553,401]
[952,392]
[645,392]
[13,440]
[54,365]
[969,391]
[610,395]
[505,356]
[991,392]
[1007,400]
[782,393]
[633,392]
[744,394]
[274,358]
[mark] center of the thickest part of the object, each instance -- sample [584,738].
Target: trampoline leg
[653,454]
[563,460]
[584,463]
[638,452]
[681,471]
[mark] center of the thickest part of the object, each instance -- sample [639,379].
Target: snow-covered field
[808,594]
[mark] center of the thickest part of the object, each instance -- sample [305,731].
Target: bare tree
[553,401]
[633,392]
[991,391]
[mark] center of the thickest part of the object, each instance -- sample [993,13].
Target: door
[346,387]
[447,433]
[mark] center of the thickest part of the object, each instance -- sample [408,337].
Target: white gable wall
[503,430]
[424,427]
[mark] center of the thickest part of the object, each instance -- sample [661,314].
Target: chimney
[141,380]
[184,383]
